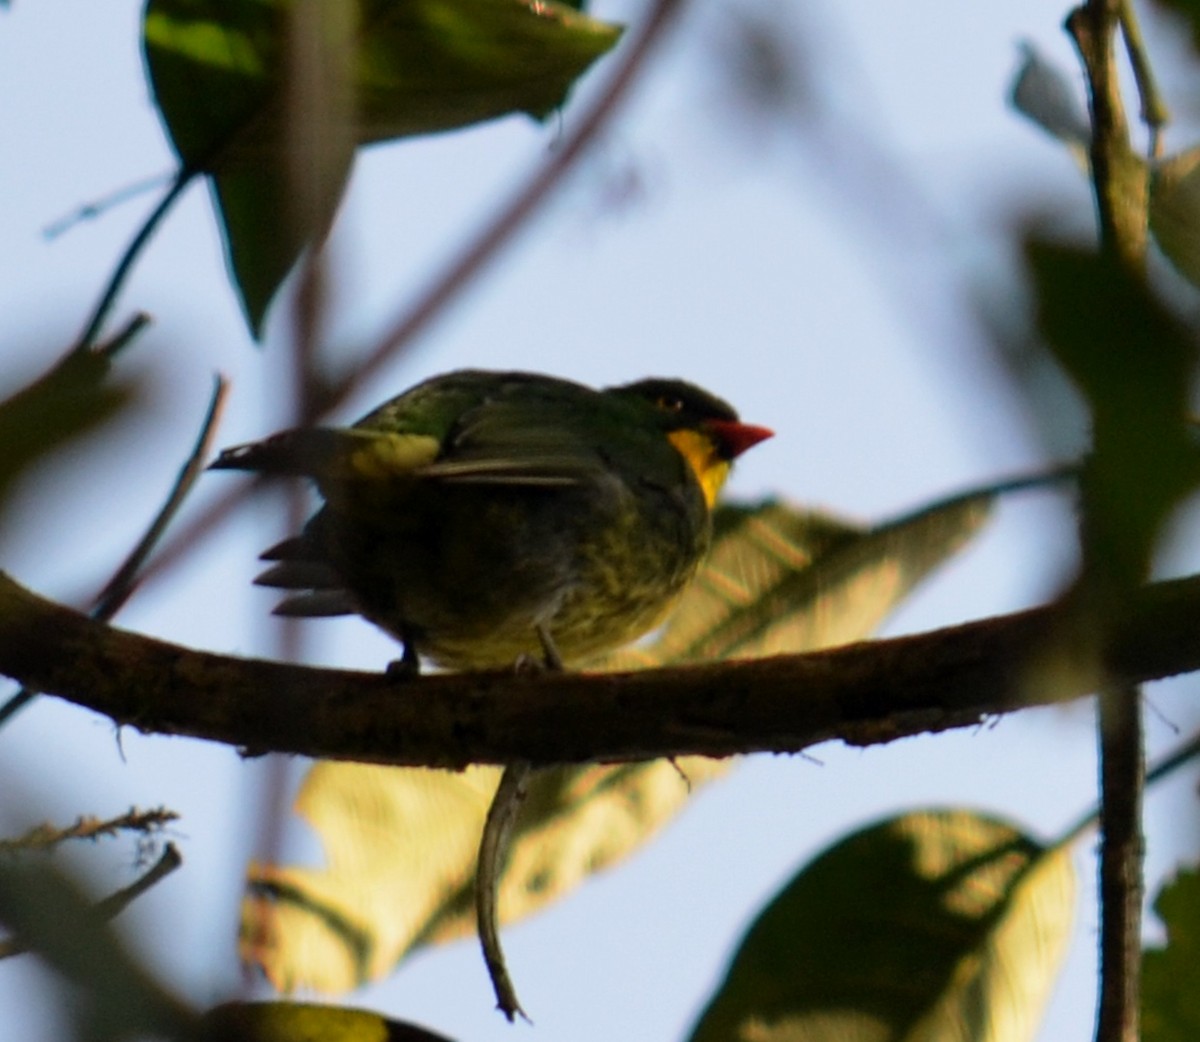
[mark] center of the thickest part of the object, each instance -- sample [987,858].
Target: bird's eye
[670,403]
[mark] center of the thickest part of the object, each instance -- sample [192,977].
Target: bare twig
[98,207]
[1119,176]
[120,587]
[43,837]
[116,281]
[1158,771]
[1154,111]
[1120,184]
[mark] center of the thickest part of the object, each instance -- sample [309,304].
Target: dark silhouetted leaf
[943,925]
[1132,360]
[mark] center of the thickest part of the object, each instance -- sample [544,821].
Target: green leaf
[278,148]
[783,580]
[1171,975]
[71,399]
[401,844]
[1175,211]
[1132,361]
[938,925]
[306,1022]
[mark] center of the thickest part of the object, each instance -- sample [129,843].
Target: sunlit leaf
[779,579]
[306,1022]
[941,925]
[1171,974]
[279,148]
[1175,211]
[116,997]
[401,844]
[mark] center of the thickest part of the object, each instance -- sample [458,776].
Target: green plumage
[478,507]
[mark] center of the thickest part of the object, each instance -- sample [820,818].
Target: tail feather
[305,452]
[299,575]
[316,604]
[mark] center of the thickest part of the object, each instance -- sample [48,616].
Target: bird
[484,518]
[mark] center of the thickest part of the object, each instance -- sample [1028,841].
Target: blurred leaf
[940,925]
[279,148]
[1175,211]
[1171,975]
[305,1022]
[1189,10]
[1133,362]
[781,580]
[401,844]
[65,403]
[114,997]
[1043,93]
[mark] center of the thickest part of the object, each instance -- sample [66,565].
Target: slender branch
[1154,111]
[121,586]
[116,281]
[1122,780]
[864,694]
[1163,768]
[44,837]
[521,208]
[1119,176]
[1120,184]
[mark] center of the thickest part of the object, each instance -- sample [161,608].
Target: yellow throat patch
[700,451]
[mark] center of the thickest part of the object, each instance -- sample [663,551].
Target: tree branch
[864,694]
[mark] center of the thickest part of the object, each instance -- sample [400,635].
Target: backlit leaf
[939,926]
[401,843]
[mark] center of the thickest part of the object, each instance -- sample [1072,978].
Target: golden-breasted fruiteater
[484,516]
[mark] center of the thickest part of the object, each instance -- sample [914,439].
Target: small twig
[116,281]
[124,337]
[43,837]
[1119,176]
[1154,111]
[92,210]
[120,587]
[115,903]
[1164,768]
[517,213]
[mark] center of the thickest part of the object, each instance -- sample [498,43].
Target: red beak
[734,438]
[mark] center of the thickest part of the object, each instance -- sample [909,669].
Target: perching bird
[485,516]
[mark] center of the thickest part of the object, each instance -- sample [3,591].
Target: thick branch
[862,693]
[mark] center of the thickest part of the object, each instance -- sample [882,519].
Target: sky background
[816,265]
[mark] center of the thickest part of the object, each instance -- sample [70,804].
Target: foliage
[934,924]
